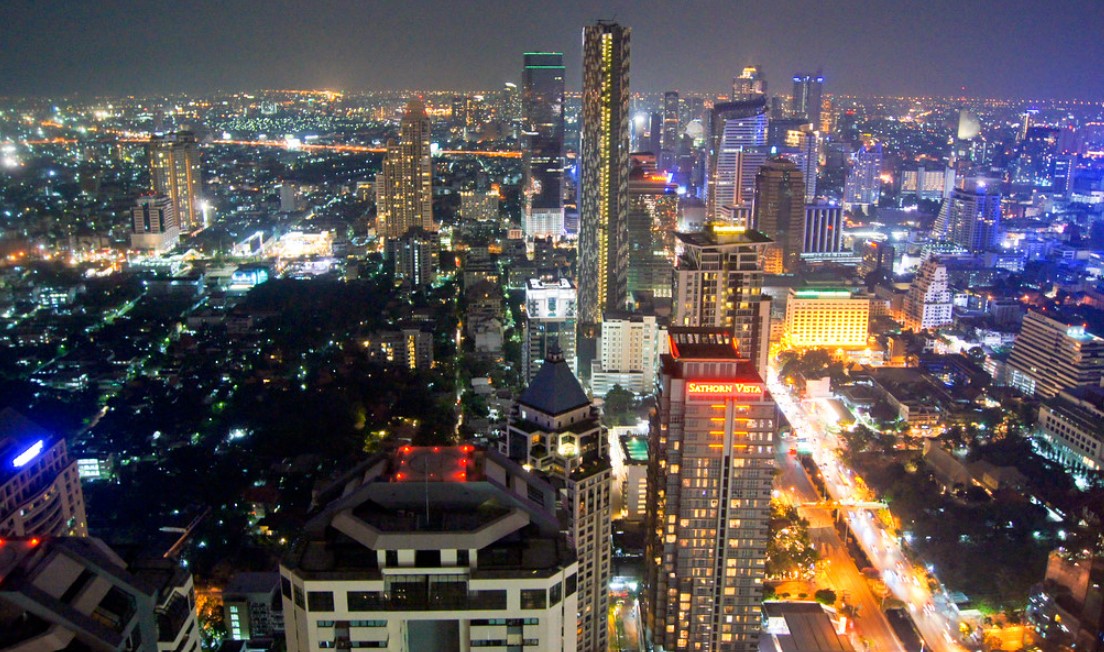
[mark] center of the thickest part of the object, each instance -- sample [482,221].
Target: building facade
[738,149]
[1051,355]
[542,102]
[864,179]
[823,231]
[827,318]
[806,100]
[604,172]
[779,214]
[709,485]
[40,490]
[404,187]
[928,303]
[1071,423]
[628,354]
[719,283]
[971,216]
[153,225]
[434,548]
[550,319]
[175,172]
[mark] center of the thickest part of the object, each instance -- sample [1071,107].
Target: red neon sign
[712,389]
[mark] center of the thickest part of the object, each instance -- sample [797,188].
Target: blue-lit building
[40,490]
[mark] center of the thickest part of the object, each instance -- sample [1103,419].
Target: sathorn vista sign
[716,389]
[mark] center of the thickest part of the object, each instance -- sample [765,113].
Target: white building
[549,318]
[1071,423]
[628,352]
[1050,355]
[827,318]
[40,490]
[928,303]
[443,548]
[154,226]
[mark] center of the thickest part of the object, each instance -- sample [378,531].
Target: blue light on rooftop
[28,456]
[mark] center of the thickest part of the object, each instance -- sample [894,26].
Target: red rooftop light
[34,542]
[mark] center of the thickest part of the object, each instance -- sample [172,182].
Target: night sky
[1011,48]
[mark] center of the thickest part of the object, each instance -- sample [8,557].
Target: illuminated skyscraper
[653,214]
[405,182]
[175,173]
[864,179]
[719,283]
[806,100]
[928,304]
[604,178]
[543,129]
[751,82]
[40,489]
[780,214]
[709,491]
[971,216]
[738,148]
[549,320]
[670,141]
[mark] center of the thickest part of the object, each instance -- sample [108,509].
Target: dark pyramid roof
[554,389]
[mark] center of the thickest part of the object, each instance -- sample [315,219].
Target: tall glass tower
[738,148]
[542,101]
[604,183]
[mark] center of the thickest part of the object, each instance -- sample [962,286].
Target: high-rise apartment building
[412,257]
[750,82]
[827,318]
[738,148]
[628,354]
[719,284]
[928,303]
[404,187]
[550,321]
[709,491]
[543,130]
[971,216]
[40,489]
[806,99]
[153,224]
[555,430]
[604,178]
[653,213]
[1050,355]
[175,173]
[779,214]
[479,206]
[864,179]
[433,548]
[671,131]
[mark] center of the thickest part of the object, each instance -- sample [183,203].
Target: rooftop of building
[703,343]
[555,389]
[21,442]
[801,627]
[723,234]
[253,582]
[636,448]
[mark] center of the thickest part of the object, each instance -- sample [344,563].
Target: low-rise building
[1073,423]
[252,607]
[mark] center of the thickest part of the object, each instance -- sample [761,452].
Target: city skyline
[1026,49]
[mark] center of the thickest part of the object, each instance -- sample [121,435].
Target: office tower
[864,179]
[550,321]
[175,173]
[653,207]
[477,206]
[434,548]
[709,491]
[802,146]
[672,134]
[1050,355]
[153,224]
[554,429]
[780,214]
[807,93]
[655,132]
[828,318]
[922,183]
[413,257]
[750,82]
[1071,423]
[404,186]
[719,283]
[737,149]
[75,593]
[543,128]
[40,490]
[971,216]
[628,354]
[876,256]
[928,303]
[827,123]
[823,231]
[251,607]
[604,176]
